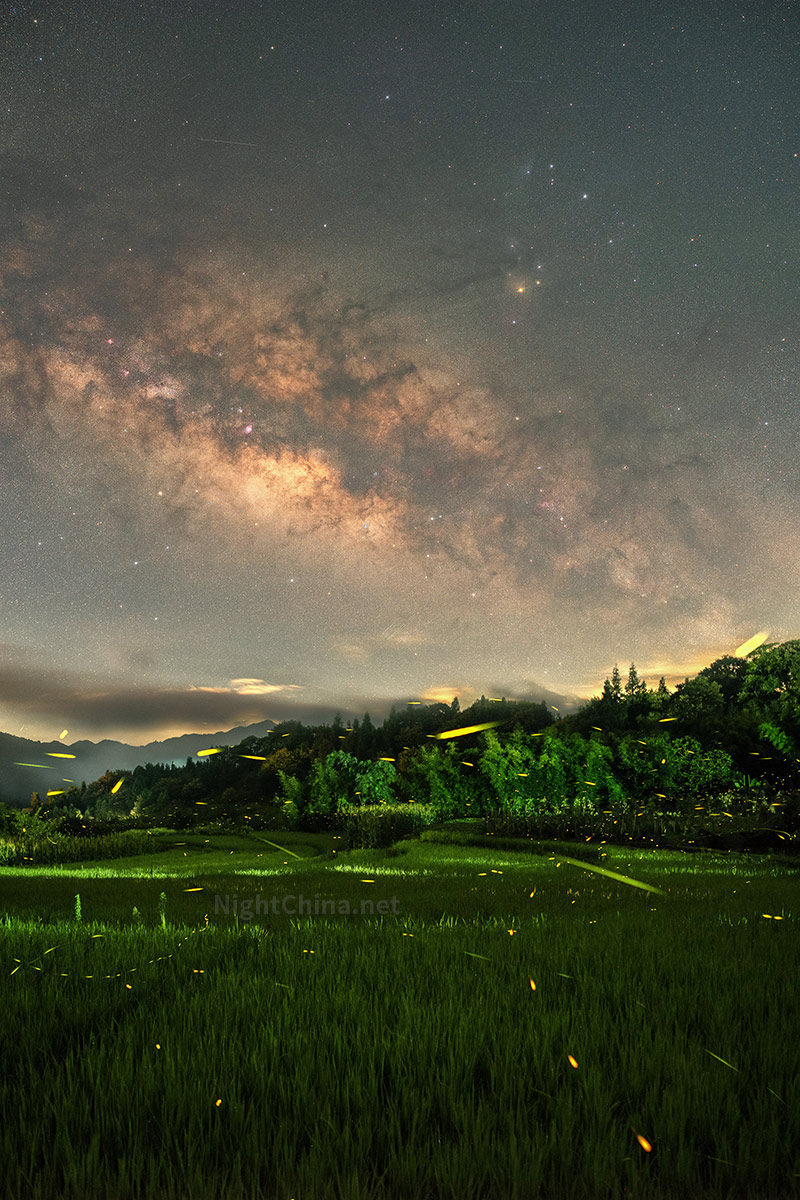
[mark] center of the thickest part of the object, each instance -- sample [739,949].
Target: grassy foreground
[407,1056]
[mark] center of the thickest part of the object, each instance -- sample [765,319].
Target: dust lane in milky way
[362,377]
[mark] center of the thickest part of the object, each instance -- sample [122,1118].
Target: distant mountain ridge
[93,759]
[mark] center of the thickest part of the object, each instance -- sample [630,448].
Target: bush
[12,820]
[381,826]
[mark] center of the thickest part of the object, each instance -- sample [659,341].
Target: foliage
[772,687]
[377,782]
[377,827]
[728,673]
[13,821]
[734,727]
[438,777]
[291,792]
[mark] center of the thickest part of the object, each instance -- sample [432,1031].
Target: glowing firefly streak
[53,754]
[613,875]
[722,1060]
[277,847]
[752,643]
[450,733]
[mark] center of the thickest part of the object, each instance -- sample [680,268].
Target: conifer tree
[635,686]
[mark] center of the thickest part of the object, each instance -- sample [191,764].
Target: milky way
[339,368]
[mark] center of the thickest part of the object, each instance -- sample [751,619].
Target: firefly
[752,643]
[467,729]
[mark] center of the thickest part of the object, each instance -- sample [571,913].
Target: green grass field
[191,1052]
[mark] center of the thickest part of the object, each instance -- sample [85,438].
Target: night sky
[360,353]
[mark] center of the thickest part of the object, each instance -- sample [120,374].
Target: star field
[353,356]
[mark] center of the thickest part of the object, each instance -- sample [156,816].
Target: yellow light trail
[450,733]
[752,643]
[613,875]
[277,847]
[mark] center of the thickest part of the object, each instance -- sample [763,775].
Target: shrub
[381,826]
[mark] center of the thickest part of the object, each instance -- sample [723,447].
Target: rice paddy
[508,1026]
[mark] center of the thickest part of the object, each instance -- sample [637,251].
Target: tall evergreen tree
[635,685]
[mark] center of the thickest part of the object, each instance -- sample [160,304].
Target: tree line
[734,729]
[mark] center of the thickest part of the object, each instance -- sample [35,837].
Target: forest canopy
[733,728]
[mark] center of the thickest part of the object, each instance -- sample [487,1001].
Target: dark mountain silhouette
[93,759]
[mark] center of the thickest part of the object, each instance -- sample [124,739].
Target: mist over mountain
[93,759]
[27,766]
